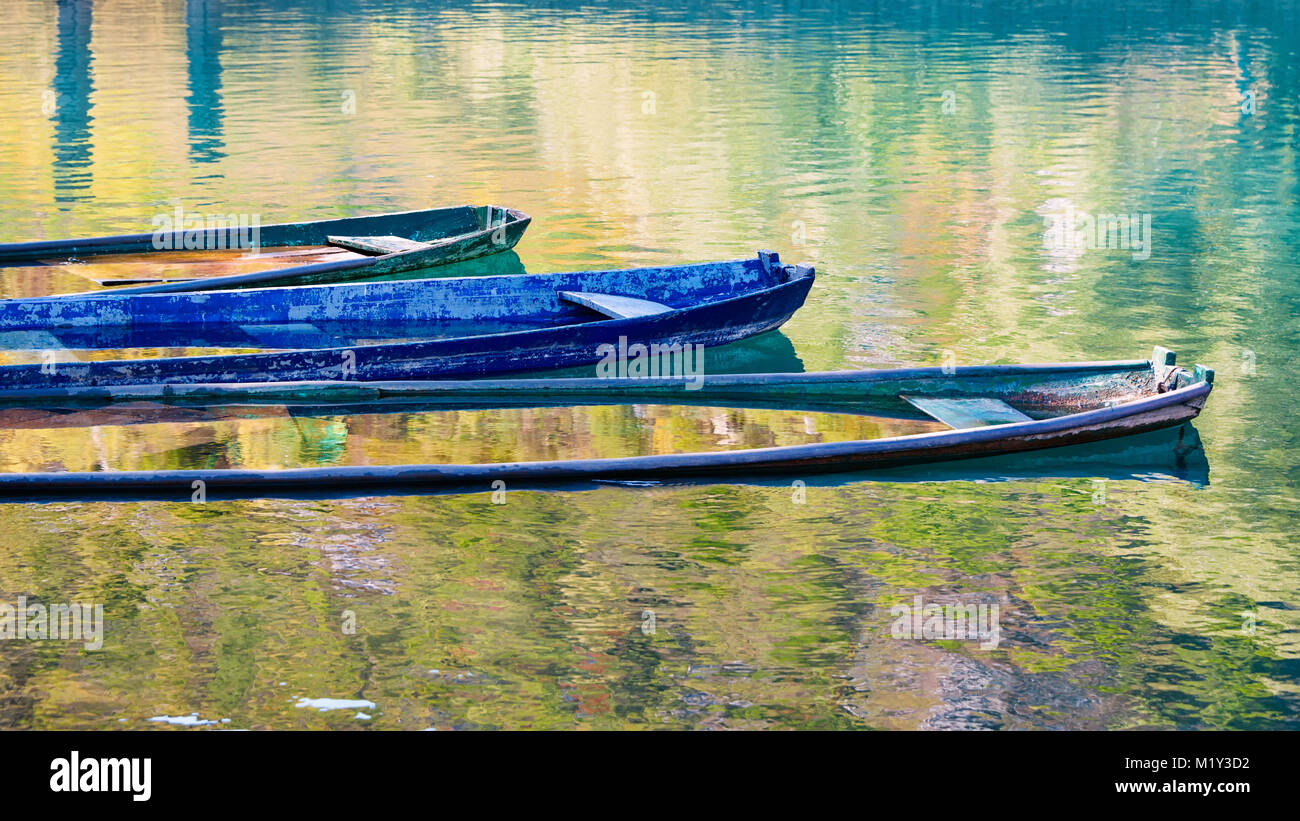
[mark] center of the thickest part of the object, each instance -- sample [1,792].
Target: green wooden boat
[232,253]
[987,410]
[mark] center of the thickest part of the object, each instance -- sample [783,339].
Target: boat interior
[193,255]
[982,397]
[160,436]
[427,308]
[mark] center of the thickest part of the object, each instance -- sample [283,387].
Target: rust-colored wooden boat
[231,252]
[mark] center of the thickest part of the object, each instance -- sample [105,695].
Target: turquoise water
[922,158]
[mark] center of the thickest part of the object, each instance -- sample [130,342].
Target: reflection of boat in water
[1170,454]
[770,352]
[990,411]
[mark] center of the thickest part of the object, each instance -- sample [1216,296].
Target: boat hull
[719,303]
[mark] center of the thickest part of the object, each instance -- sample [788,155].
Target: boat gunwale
[20,251]
[378,389]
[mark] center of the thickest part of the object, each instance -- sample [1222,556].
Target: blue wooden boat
[991,410]
[408,329]
[237,255]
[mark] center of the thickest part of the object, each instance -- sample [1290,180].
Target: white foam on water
[324,704]
[191,720]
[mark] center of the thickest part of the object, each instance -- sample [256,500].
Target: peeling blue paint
[712,304]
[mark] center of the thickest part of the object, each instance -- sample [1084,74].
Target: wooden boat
[299,253]
[991,410]
[409,329]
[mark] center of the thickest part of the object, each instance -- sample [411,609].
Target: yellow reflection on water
[143,436]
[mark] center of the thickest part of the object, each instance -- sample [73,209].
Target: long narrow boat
[409,329]
[990,410]
[239,255]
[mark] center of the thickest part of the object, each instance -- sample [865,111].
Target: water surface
[917,156]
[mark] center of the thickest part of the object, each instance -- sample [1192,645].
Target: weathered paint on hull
[714,304]
[530,297]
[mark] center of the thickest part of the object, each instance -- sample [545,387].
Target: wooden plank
[967,413]
[285,254]
[615,307]
[202,256]
[378,245]
[113,283]
[1162,362]
[125,270]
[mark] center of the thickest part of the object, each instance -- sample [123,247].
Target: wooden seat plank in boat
[122,270]
[614,307]
[967,413]
[378,245]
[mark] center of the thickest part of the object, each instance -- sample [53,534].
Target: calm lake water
[918,157]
